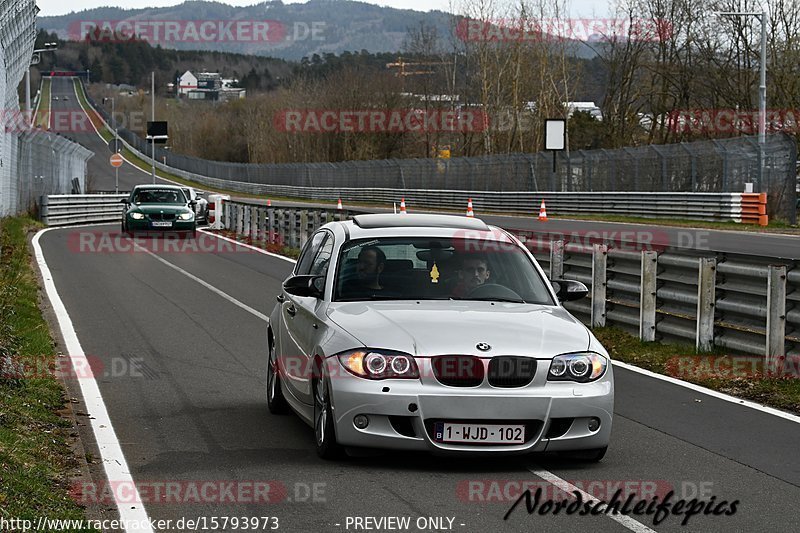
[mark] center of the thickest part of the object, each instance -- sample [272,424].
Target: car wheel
[324,432]
[594,455]
[275,401]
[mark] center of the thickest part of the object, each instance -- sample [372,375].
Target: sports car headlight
[379,364]
[137,216]
[581,367]
[186,216]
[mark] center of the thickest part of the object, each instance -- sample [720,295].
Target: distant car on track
[438,333]
[158,209]
[55,98]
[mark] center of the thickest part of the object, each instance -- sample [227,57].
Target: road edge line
[114,464]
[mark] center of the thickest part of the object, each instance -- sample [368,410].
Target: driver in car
[473,272]
[370,265]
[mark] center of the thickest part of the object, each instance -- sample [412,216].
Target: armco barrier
[67,209]
[707,206]
[744,304]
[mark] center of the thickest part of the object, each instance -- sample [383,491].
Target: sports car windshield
[425,268]
[159,196]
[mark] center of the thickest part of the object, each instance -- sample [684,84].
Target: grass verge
[742,377]
[35,454]
[42,119]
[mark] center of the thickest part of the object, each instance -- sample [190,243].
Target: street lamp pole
[153,118]
[116,142]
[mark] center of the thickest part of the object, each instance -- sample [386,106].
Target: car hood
[158,208]
[446,327]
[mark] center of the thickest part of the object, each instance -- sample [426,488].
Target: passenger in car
[370,265]
[472,273]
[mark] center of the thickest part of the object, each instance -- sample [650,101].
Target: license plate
[479,433]
[159,224]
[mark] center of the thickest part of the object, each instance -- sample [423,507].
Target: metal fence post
[261,212]
[293,228]
[226,213]
[776,316]
[557,259]
[282,227]
[706,296]
[254,222]
[271,227]
[315,217]
[246,220]
[44,209]
[647,296]
[303,227]
[239,219]
[599,263]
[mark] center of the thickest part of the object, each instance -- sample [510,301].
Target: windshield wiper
[496,299]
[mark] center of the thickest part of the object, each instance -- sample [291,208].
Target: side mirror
[123,201]
[568,290]
[192,203]
[308,286]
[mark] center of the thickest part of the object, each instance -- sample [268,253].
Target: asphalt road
[578,231]
[69,120]
[181,366]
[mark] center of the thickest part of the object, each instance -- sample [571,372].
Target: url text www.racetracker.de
[659,510]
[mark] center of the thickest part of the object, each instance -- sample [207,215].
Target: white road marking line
[205,284]
[720,395]
[260,250]
[623,520]
[114,464]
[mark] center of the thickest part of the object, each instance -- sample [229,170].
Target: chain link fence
[704,166]
[32,162]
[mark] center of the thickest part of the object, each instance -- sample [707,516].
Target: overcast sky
[584,8]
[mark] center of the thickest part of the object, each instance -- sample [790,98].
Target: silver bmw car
[438,333]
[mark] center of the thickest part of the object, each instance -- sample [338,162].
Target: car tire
[594,455]
[324,430]
[276,402]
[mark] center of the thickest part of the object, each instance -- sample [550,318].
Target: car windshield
[159,196]
[425,268]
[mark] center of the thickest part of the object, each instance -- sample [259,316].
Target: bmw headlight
[379,364]
[581,367]
[137,215]
[186,216]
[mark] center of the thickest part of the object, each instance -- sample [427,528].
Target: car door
[294,322]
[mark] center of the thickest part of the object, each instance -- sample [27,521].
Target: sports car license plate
[479,433]
[159,224]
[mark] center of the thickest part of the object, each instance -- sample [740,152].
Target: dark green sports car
[158,208]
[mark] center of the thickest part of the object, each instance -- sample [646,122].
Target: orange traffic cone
[339,205]
[269,202]
[403,206]
[470,212]
[542,212]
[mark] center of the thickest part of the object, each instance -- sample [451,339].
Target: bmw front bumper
[402,412]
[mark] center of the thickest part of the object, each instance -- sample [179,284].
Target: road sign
[115,160]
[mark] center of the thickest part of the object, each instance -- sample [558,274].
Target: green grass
[780,392]
[96,120]
[35,456]
[42,118]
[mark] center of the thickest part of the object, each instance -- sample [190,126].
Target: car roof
[160,187]
[374,221]
[418,225]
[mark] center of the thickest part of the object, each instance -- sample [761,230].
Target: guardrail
[745,304]
[67,209]
[737,207]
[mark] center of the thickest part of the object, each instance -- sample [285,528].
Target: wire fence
[725,165]
[33,162]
